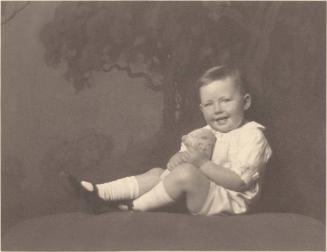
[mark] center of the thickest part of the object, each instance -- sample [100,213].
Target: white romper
[245,151]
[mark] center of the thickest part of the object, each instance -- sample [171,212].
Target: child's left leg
[185,179]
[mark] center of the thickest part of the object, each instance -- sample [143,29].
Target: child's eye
[208,104]
[226,100]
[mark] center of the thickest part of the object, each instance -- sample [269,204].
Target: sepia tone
[107,89]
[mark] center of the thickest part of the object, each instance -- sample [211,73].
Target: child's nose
[217,108]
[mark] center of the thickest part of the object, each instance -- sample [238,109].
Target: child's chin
[222,128]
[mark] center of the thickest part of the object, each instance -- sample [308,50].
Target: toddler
[226,181]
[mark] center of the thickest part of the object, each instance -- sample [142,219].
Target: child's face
[223,104]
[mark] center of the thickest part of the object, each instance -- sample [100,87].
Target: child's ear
[247,101]
[201,107]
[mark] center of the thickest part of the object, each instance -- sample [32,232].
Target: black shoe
[94,203]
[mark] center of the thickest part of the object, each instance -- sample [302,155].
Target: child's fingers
[172,164]
[190,156]
[176,161]
[185,157]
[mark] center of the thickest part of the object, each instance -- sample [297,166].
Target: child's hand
[177,159]
[197,158]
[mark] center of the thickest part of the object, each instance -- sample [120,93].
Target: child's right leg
[122,189]
[148,180]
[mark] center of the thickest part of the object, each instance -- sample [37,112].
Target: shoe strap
[95,190]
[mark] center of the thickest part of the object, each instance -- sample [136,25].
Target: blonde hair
[222,72]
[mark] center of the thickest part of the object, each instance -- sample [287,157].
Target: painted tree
[167,43]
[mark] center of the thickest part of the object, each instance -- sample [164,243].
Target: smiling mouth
[221,120]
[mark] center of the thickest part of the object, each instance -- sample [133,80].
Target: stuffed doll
[200,140]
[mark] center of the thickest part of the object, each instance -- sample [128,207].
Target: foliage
[141,37]
[166,43]
[170,43]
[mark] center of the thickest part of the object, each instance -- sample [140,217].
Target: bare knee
[187,174]
[187,179]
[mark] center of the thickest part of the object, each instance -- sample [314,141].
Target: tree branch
[14,13]
[127,69]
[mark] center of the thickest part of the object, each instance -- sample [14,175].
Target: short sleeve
[249,155]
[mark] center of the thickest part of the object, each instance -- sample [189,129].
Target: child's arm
[224,177]
[244,166]
[220,175]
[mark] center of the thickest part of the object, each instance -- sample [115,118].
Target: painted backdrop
[115,125]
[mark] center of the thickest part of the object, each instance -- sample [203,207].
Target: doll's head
[200,140]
